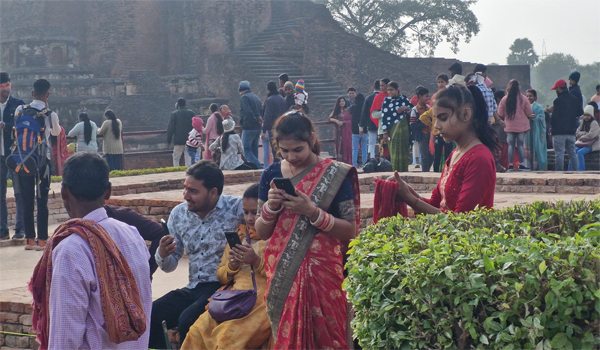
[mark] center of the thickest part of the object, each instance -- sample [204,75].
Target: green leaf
[559,340]
[518,286]
[488,263]
[543,218]
[448,272]
[543,267]
[484,340]
[592,234]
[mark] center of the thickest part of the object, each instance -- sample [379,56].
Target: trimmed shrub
[123,173]
[520,278]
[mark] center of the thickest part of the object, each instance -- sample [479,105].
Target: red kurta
[469,183]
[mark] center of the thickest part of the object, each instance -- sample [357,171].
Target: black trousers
[439,144]
[27,184]
[179,308]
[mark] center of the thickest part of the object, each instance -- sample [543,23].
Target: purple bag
[228,305]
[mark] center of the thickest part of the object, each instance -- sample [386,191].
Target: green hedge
[519,278]
[122,173]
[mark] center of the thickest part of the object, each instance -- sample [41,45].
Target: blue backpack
[28,154]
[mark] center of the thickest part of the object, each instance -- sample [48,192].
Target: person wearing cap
[250,106]
[8,106]
[231,148]
[575,89]
[179,127]
[456,77]
[587,137]
[566,111]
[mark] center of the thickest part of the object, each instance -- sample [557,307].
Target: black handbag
[228,305]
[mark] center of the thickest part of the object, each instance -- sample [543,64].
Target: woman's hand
[275,197]
[402,109]
[404,192]
[234,264]
[243,254]
[300,204]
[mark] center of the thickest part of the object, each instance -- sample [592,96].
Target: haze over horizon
[569,27]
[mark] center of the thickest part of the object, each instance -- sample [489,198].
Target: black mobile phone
[165,227]
[285,184]
[232,238]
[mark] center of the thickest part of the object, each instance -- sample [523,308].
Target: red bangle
[416,202]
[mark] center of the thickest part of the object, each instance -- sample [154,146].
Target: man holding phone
[197,225]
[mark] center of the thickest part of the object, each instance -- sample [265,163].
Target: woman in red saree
[469,176]
[308,235]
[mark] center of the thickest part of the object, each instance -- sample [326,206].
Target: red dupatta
[305,301]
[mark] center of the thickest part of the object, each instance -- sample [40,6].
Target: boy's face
[441,83]
[250,205]
[424,98]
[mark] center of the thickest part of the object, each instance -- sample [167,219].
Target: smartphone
[285,184]
[165,227]
[232,238]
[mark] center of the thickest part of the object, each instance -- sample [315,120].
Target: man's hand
[263,136]
[361,132]
[167,246]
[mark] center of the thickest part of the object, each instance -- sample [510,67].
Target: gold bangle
[233,272]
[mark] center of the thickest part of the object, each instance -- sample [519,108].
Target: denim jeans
[18,199]
[28,186]
[581,151]
[250,143]
[425,156]
[562,143]
[372,143]
[115,161]
[268,149]
[356,140]
[519,137]
[192,152]
[415,153]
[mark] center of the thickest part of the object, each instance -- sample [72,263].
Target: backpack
[378,165]
[28,154]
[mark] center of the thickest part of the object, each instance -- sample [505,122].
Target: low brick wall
[15,317]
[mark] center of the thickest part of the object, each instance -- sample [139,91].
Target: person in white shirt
[27,184]
[86,132]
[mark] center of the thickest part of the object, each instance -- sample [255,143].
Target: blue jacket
[250,106]
[575,90]
[275,107]
[9,121]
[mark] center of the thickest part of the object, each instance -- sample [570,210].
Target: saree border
[300,240]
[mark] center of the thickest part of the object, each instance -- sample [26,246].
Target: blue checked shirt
[488,95]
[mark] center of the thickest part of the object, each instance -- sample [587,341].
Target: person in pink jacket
[516,112]
[213,129]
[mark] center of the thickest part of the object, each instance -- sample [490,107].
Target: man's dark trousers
[179,308]
[27,185]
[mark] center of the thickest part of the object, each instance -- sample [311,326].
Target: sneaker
[19,234]
[510,168]
[29,244]
[523,168]
[4,235]
[417,166]
[41,245]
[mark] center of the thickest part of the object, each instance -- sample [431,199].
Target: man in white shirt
[27,184]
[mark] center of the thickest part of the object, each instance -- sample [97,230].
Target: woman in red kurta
[469,176]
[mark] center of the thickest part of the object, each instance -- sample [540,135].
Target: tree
[549,70]
[400,26]
[522,52]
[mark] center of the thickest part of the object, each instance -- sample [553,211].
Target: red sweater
[376,106]
[471,182]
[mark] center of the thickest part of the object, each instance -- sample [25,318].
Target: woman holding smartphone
[308,235]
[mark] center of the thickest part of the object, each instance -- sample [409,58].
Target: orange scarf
[122,307]
[242,233]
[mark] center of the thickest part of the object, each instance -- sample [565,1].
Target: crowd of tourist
[92,287]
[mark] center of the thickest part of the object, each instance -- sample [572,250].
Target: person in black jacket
[178,130]
[566,112]
[575,89]
[251,121]
[8,105]
[366,122]
[274,107]
[358,132]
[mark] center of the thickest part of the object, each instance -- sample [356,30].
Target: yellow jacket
[428,119]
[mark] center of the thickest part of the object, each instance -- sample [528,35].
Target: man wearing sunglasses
[8,105]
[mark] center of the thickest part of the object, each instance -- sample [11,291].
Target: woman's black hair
[251,192]
[444,77]
[338,109]
[513,93]
[499,95]
[87,127]
[225,140]
[533,92]
[297,126]
[394,85]
[114,125]
[217,115]
[214,107]
[456,97]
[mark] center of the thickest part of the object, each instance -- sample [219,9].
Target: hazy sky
[567,26]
